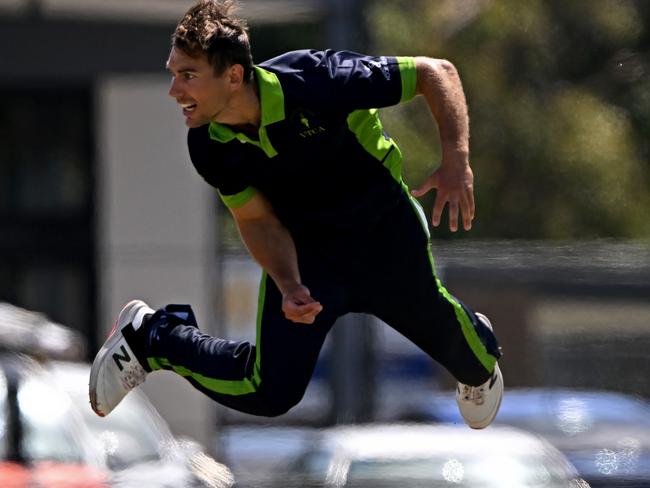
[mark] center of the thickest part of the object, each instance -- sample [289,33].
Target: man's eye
[188,76]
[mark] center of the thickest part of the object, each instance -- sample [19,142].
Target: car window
[488,471]
[131,434]
[312,466]
[48,430]
[574,413]
[127,436]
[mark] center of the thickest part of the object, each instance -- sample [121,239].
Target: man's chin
[194,123]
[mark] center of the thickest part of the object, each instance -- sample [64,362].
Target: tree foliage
[559,98]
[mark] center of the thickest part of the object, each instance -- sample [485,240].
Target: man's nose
[173,89]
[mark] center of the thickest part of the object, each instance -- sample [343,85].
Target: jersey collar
[271,96]
[271,108]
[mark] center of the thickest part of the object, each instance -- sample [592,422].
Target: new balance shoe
[479,404]
[116,369]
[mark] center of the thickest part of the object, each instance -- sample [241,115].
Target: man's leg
[402,289]
[266,378]
[399,285]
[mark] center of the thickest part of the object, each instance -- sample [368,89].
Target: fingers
[302,313]
[458,200]
[453,216]
[428,184]
[438,207]
[468,209]
[300,307]
[464,205]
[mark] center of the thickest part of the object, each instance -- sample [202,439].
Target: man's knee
[276,404]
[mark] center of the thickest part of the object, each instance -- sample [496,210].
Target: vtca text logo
[307,124]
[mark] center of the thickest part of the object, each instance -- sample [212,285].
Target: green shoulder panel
[366,126]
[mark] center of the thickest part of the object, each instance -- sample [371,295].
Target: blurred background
[100,204]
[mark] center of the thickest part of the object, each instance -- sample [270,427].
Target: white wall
[156,226]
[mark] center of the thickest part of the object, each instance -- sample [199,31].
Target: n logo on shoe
[123,357]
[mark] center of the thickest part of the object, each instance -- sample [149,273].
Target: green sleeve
[408,76]
[238,199]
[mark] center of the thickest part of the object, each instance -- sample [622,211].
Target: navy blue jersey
[322,157]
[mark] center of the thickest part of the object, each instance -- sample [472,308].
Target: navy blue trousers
[385,270]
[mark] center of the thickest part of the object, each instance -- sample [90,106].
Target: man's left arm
[439,83]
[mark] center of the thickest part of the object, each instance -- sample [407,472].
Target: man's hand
[299,306]
[439,83]
[454,184]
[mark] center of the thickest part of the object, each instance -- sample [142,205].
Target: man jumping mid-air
[296,149]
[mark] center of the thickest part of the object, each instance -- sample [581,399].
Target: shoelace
[132,376]
[473,394]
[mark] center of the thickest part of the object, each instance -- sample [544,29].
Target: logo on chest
[306,124]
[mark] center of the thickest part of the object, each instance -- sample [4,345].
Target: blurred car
[43,443]
[255,452]
[50,437]
[605,435]
[136,442]
[412,455]
[32,333]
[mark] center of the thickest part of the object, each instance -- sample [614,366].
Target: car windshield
[561,412]
[131,434]
[48,430]
[127,435]
[490,471]
[577,417]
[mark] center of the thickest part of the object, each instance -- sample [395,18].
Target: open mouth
[188,107]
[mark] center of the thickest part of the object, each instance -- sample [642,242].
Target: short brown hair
[210,28]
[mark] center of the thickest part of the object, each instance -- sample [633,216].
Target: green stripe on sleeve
[408,75]
[239,199]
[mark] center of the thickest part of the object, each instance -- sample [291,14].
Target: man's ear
[236,73]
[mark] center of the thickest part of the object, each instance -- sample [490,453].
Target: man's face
[203,95]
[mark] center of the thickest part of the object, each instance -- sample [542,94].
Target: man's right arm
[271,245]
[439,83]
[267,240]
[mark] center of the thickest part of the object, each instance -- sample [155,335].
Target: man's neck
[245,113]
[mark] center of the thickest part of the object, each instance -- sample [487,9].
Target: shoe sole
[125,316]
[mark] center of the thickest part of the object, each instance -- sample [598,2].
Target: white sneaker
[479,404]
[116,370]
